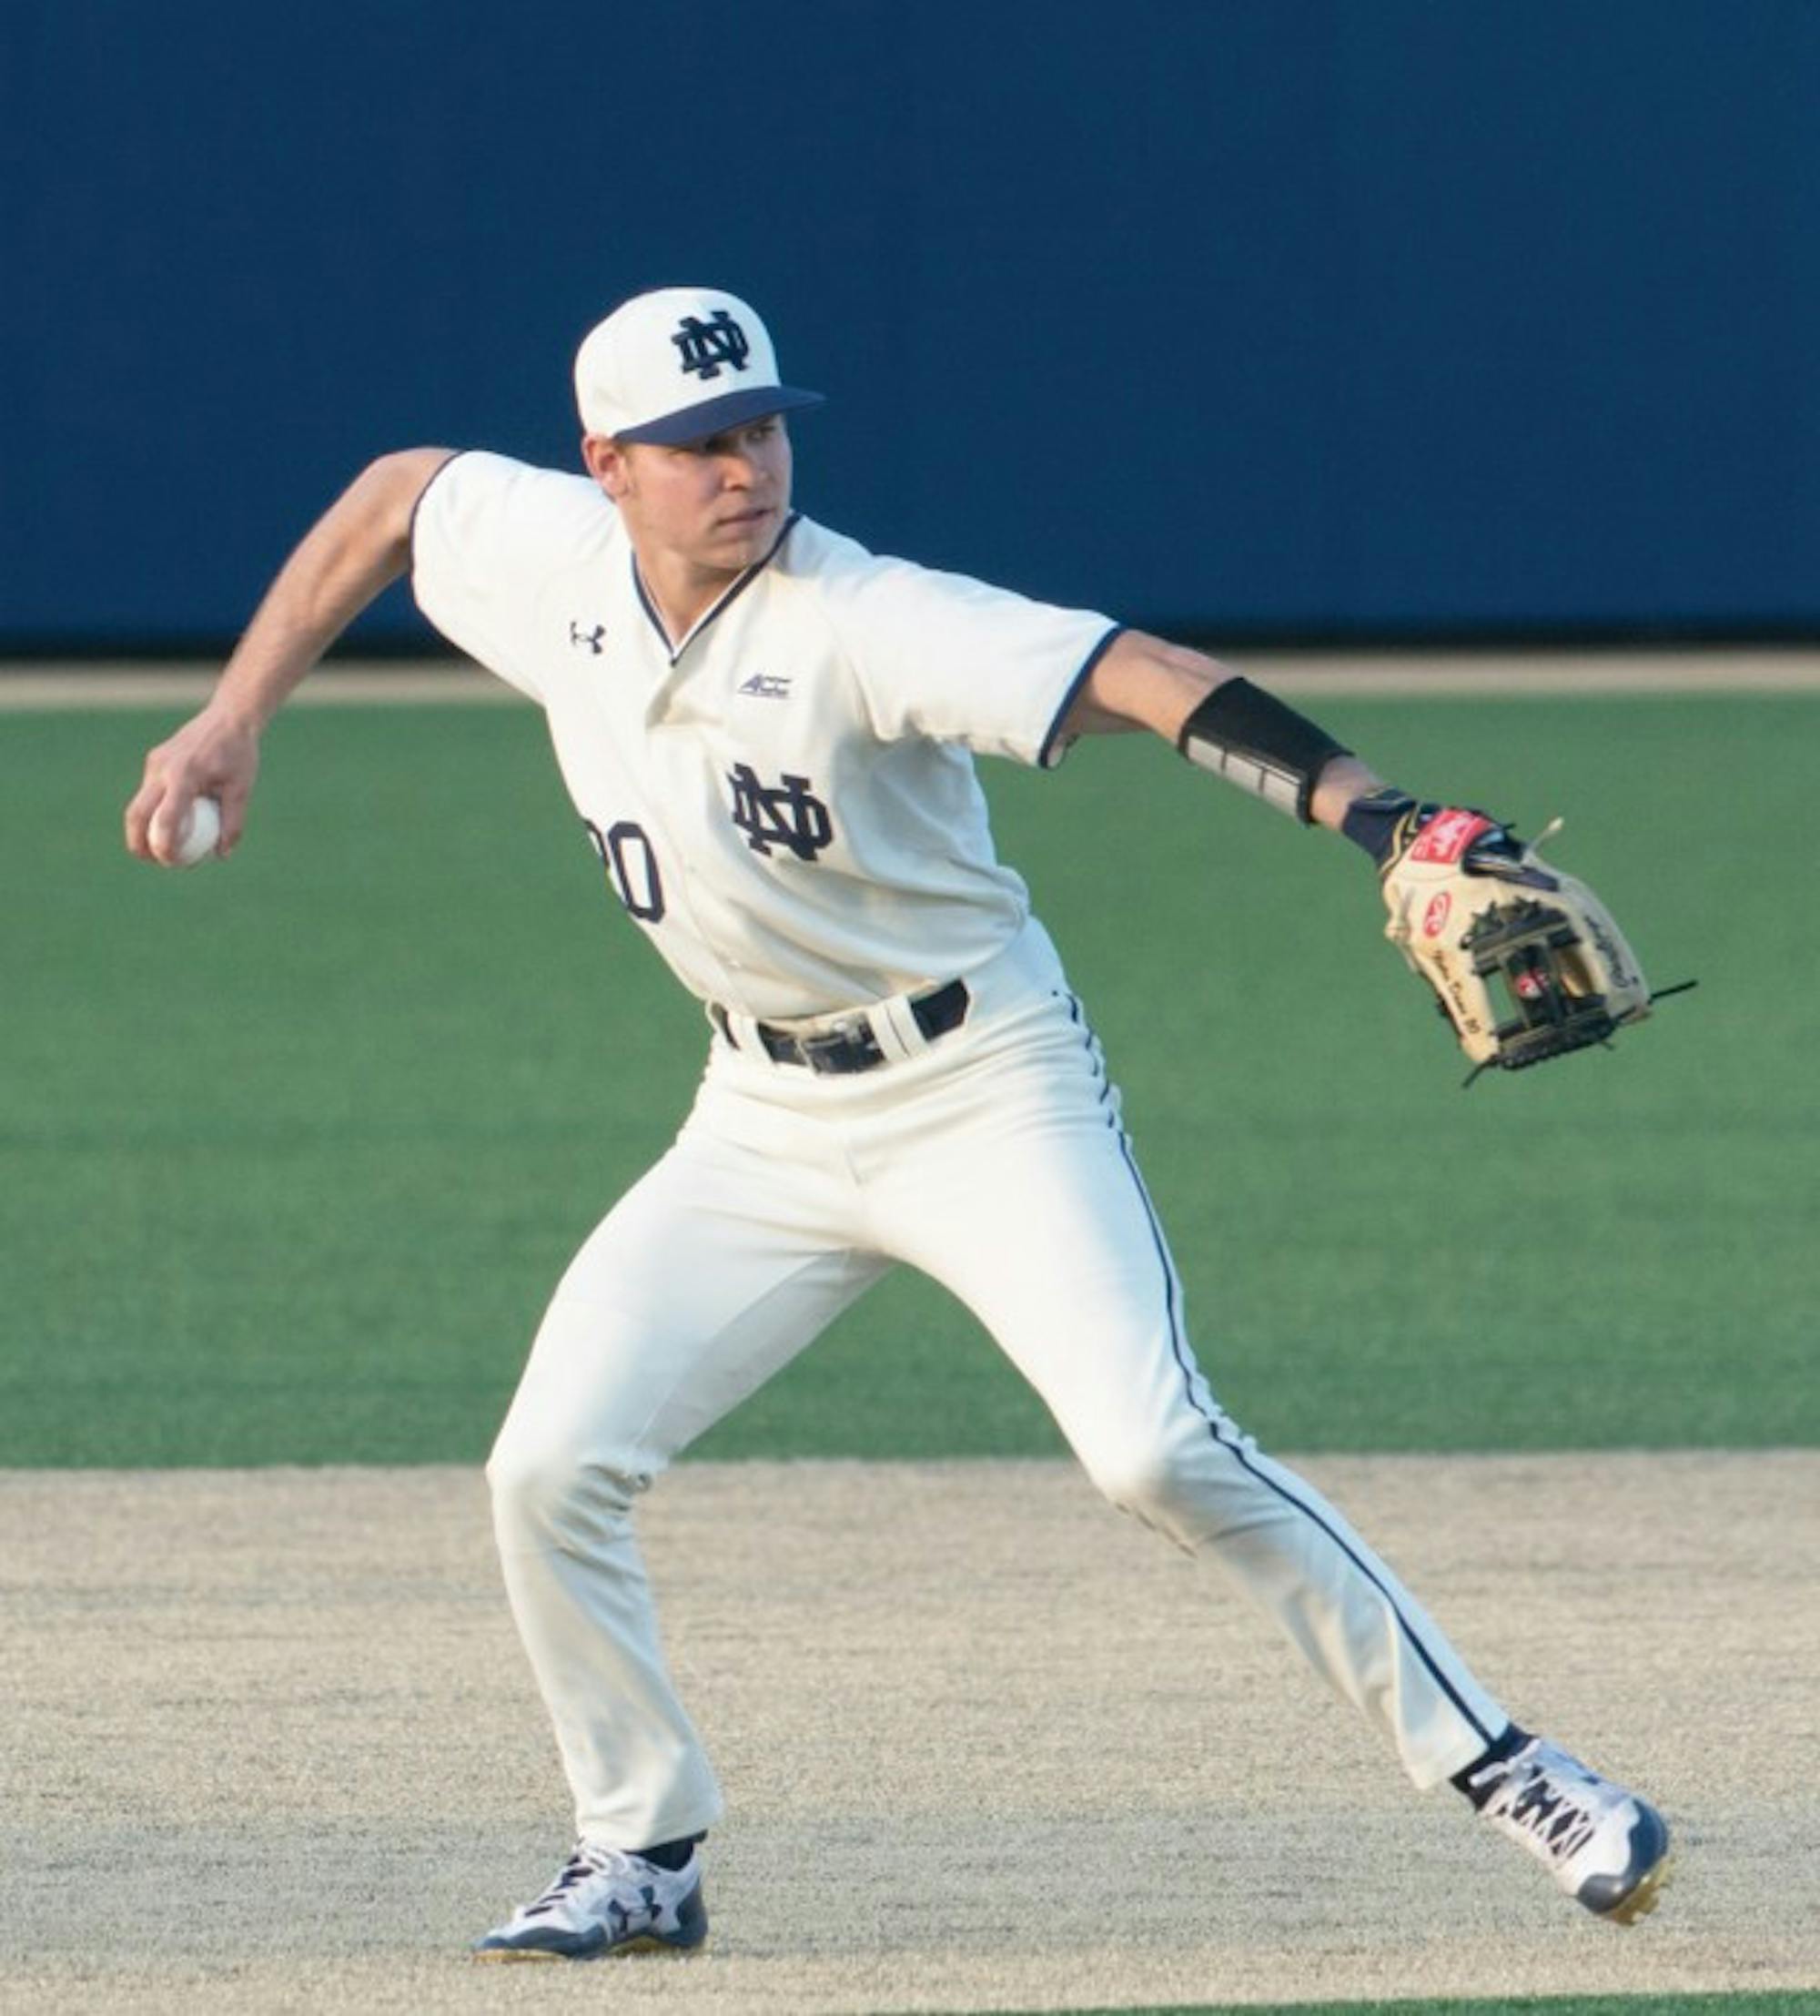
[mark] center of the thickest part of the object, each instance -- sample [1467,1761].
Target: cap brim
[714,416]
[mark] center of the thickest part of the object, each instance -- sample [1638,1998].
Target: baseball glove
[1526,963]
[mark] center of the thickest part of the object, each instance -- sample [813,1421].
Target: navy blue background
[1367,318]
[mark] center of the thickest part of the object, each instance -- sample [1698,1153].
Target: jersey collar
[735,588]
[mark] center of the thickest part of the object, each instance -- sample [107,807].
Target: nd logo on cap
[706,346]
[678,364]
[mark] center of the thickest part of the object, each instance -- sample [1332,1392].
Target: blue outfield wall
[1359,318]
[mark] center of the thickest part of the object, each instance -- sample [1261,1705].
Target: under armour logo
[706,346]
[779,815]
[593,638]
[767,686]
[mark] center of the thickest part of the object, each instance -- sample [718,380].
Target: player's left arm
[1219,720]
[1469,904]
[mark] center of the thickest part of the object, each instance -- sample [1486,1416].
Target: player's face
[714,506]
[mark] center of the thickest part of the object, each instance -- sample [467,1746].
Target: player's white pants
[996,1162]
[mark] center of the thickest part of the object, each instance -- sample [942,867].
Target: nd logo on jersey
[786,814]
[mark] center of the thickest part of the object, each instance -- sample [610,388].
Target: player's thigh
[1034,1214]
[706,1278]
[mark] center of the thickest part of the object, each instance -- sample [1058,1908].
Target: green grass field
[292,1151]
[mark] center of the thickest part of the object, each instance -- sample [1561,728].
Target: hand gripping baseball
[1524,961]
[213,755]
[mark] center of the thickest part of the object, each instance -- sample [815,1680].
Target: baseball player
[770,735]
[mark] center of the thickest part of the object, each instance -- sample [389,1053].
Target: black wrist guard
[1243,733]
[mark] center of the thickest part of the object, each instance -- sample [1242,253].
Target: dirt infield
[986,1745]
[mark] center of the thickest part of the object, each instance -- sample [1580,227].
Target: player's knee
[528,1482]
[547,1483]
[1151,1482]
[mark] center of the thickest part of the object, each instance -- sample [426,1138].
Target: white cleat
[604,1901]
[1606,1848]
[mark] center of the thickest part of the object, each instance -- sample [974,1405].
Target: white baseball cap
[678,364]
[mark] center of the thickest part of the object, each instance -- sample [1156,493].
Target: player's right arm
[359,546]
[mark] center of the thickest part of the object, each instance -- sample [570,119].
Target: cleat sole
[1644,1898]
[625,1949]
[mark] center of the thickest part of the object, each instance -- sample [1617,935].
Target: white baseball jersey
[786,800]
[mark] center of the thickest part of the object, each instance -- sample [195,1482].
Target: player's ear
[606,463]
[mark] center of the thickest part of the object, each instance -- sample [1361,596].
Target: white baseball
[201,831]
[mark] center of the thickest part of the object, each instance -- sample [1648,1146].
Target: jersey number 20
[632,867]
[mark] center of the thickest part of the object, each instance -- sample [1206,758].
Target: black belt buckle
[851,1049]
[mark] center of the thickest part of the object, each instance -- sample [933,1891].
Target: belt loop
[897,1031]
[740,1031]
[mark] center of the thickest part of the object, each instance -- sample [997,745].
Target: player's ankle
[672,1855]
[1480,1778]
